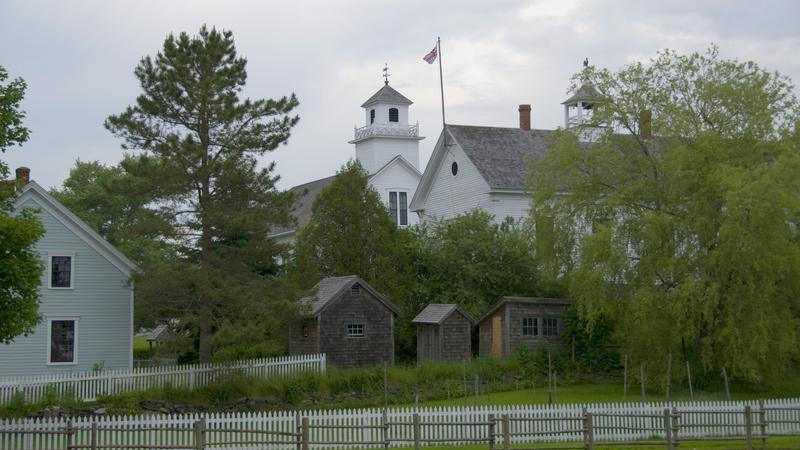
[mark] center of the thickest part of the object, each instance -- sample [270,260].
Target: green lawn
[140,343]
[609,392]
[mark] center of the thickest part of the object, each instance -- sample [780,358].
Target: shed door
[497,335]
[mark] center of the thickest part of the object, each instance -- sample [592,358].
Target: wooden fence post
[762,423]
[668,429]
[748,427]
[416,432]
[675,427]
[199,434]
[385,430]
[70,431]
[304,444]
[727,385]
[94,436]
[491,431]
[297,430]
[588,432]
[506,432]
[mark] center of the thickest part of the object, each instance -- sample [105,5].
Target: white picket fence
[88,385]
[365,428]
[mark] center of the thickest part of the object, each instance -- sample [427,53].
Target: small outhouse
[443,333]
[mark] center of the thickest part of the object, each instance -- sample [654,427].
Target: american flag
[431,56]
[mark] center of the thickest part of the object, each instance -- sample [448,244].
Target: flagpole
[441,83]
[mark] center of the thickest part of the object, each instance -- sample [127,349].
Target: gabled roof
[331,288]
[387,94]
[501,155]
[304,200]
[526,300]
[399,160]
[60,212]
[436,313]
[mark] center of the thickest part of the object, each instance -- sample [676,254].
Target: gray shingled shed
[444,333]
[348,320]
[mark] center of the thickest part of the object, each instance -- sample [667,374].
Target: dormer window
[394,115]
[371,116]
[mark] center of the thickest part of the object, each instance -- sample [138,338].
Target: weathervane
[386,73]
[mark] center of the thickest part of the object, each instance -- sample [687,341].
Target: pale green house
[86,297]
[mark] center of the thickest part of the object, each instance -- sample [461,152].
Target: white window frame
[50,321]
[554,328]
[71,257]
[389,205]
[363,330]
[534,326]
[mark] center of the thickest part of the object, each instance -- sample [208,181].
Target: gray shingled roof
[527,300]
[438,312]
[304,200]
[502,155]
[387,94]
[329,289]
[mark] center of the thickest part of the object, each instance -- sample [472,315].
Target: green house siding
[101,300]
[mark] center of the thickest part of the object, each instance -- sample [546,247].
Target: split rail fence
[564,426]
[88,386]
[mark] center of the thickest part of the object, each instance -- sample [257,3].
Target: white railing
[89,385]
[386,130]
[365,428]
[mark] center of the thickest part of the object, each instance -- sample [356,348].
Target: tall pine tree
[195,142]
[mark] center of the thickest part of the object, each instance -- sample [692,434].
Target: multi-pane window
[394,115]
[398,207]
[530,326]
[371,116]
[62,341]
[550,326]
[61,271]
[355,329]
[304,330]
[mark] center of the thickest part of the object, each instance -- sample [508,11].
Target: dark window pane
[60,271]
[394,115]
[371,116]
[355,329]
[530,326]
[393,206]
[62,341]
[550,327]
[403,208]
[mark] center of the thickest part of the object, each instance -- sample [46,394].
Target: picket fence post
[491,431]
[668,429]
[304,435]
[748,426]
[94,436]
[588,433]
[385,430]
[69,434]
[506,432]
[416,431]
[199,434]
[762,423]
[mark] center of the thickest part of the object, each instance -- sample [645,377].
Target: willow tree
[194,142]
[687,237]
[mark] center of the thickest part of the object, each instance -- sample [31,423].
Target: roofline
[425,183]
[527,300]
[400,159]
[355,278]
[457,308]
[77,226]
[282,233]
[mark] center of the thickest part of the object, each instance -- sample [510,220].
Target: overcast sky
[78,59]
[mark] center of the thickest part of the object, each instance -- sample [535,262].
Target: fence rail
[568,426]
[88,385]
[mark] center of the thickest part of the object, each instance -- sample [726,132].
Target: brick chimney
[646,124]
[23,175]
[525,117]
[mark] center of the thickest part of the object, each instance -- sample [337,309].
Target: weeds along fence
[567,426]
[89,385]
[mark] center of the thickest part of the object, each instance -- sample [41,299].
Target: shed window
[355,329]
[371,116]
[398,207]
[62,342]
[394,115]
[550,327]
[61,271]
[304,330]
[530,326]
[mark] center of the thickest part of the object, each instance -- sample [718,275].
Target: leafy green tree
[195,143]
[20,267]
[350,233]
[687,240]
[473,261]
[115,204]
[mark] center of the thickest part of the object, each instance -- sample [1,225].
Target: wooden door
[497,335]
